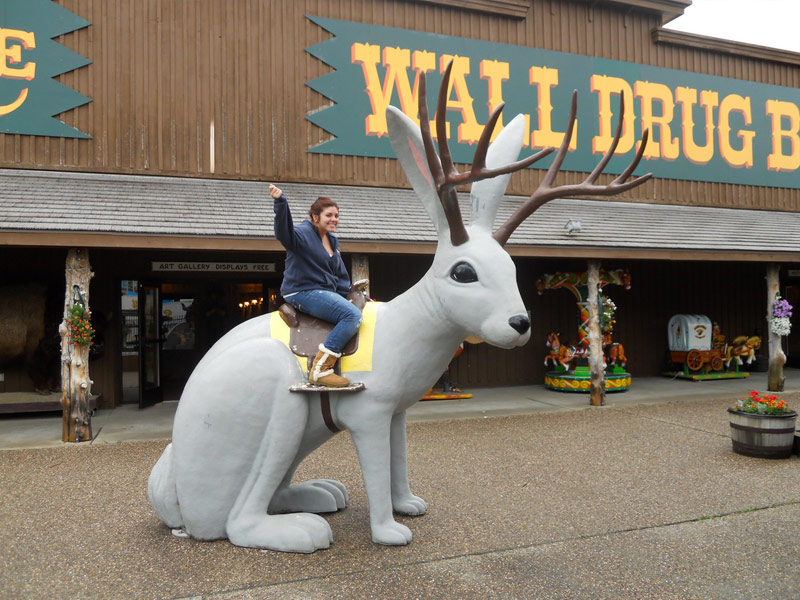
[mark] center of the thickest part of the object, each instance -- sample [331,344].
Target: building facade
[171,118]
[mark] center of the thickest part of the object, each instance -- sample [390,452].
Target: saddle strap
[325,405]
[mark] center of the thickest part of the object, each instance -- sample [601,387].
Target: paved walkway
[128,423]
[640,499]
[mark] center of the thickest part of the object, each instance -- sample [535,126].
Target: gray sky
[774,23]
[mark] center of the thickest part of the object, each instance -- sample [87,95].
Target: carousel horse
[614,352]
[240,432]
[559,353]
[742,346]
[621,277]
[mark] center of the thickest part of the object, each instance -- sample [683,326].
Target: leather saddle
[306,333]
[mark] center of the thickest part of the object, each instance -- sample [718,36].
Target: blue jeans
[331,307]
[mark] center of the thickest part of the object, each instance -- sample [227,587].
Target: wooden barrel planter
[763,436]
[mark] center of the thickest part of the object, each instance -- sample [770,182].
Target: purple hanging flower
[780,322]
[781,308]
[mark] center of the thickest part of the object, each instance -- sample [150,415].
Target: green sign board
[702,128]
[29,94]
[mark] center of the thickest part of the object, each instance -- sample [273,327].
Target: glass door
[150,341]
[185,317]
[129,350]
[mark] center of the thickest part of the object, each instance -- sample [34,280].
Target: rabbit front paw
[409,505]
[391,533]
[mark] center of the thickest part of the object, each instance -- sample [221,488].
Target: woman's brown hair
[319,205]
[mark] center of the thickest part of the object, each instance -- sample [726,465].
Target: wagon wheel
[694,360]
[716,363]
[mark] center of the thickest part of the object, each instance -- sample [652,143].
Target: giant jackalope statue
[239,433]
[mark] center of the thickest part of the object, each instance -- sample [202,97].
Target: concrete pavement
[640,499]
[128,423]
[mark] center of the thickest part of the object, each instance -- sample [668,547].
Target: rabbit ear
[407,143]
[485,195]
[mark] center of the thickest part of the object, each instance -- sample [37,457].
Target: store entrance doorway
[168,326]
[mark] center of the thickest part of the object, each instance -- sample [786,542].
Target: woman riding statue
[315,280]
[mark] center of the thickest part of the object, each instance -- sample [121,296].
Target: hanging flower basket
[762,426]
[81,332]
[608,309]
[780,319]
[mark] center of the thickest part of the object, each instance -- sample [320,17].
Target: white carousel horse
[742,346]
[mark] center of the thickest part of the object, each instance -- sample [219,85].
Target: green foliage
[765,404]
[608,309]
[79,324]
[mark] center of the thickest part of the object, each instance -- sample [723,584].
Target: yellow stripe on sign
[361,360]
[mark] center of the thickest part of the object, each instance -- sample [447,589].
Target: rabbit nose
[520,322]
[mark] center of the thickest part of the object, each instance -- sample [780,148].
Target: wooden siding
[216,88]
[510,8]
[666,9]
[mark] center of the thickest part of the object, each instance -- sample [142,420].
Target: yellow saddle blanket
[360,360]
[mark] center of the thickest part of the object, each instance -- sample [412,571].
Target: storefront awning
[42,208]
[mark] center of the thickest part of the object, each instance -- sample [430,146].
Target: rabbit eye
[464,273]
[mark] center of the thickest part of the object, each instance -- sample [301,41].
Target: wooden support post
[597,385]
[76,387]
[360,269]
[775,377]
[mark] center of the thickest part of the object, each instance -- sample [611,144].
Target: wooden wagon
[691,344]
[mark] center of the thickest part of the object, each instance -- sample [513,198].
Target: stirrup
[310,387]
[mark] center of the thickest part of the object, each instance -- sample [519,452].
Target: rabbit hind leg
[248,523]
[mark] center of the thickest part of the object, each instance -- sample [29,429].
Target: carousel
[569,361]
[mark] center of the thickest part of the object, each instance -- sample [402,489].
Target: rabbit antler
[546,192]
[445,175]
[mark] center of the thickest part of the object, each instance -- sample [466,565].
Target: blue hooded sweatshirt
[308,264]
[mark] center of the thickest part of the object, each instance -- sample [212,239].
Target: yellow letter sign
[12,54]
[778,161]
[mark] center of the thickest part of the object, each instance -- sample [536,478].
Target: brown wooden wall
[164,70]
[731,294]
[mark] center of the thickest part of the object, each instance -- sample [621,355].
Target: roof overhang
[707,43]
[68,209]
[666,9]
